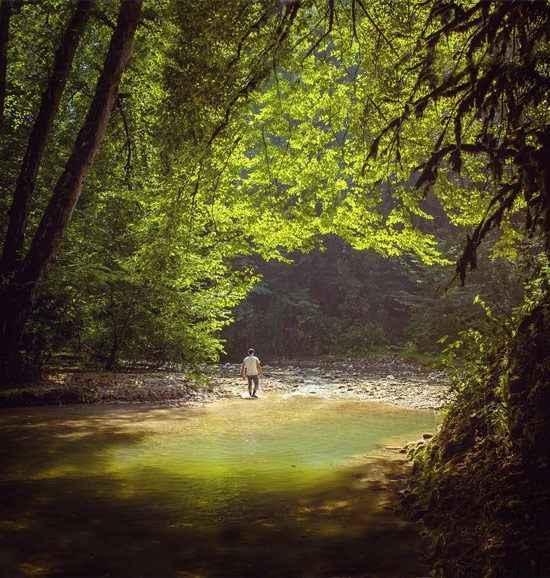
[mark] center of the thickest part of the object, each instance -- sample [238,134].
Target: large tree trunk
[5,15]
[528,386]
[68,187]
[15,366]
[528,397]
[528,380]
[529,389]
[65,194]
[37,141]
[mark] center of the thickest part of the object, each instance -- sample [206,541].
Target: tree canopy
[248,128]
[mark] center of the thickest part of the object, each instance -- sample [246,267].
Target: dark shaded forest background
[346,303]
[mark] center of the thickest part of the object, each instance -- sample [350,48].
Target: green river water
[275,487]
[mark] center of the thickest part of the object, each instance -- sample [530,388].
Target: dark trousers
[252,379]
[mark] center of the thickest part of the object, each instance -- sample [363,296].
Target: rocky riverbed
[391,381]
[388,380]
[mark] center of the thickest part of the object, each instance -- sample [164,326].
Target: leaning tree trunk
[49,106]
[16,290]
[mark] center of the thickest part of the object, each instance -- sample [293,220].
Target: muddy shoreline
[388,380]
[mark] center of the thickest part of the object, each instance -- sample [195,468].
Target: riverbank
[388,380]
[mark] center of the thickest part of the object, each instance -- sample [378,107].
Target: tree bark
[49,106]
[16,289]
[528,387]
[15,366]
[68,187]
[5,15]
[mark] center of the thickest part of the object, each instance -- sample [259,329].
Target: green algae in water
[242,487]
[274,445]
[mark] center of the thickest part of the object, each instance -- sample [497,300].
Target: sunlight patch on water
[272,444]
[273,487]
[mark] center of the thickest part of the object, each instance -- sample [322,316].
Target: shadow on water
[66,514]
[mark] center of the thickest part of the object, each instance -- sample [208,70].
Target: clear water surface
[275,487]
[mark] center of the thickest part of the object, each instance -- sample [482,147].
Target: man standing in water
[251,369]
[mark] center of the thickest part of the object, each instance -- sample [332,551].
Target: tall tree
[18,287]
[494,137]
[49,106]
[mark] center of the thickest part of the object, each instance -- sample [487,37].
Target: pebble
[390,381]
[406,385]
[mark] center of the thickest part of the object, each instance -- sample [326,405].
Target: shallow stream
[275,487]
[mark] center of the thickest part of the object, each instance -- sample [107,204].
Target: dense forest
[182,180]
[340,302]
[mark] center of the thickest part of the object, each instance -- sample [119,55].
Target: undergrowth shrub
[479,502]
